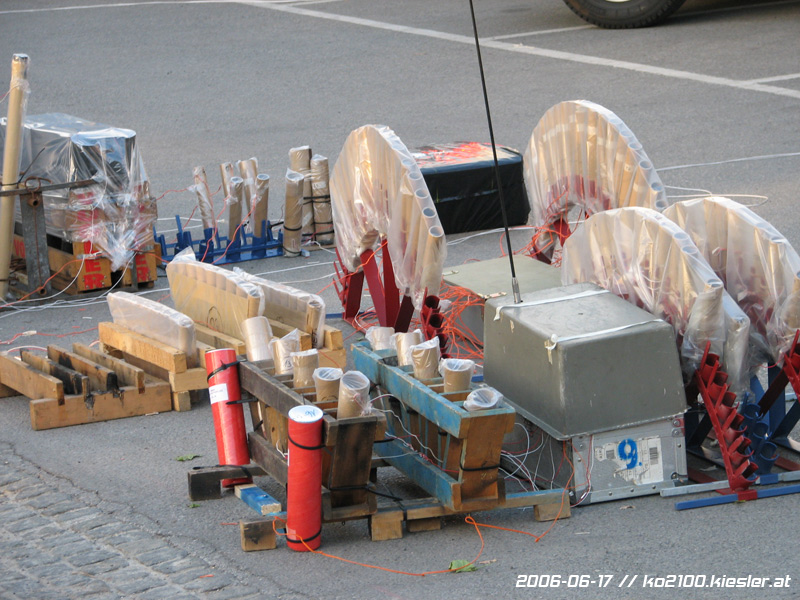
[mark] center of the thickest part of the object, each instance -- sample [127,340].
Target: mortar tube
[11,158]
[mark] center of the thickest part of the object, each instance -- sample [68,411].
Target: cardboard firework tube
[313,317]
[226,172]
[262,204]
[321,200]
[304,489]
[353,394]
[248,169]
[300,161]
[380,338]
[425,357]
[433,252]
[404,341]
[257,335]
[326,382]
[293,214]
[457,374]
[238,209]
[204,199]
[11,158]
[303,366]
[282,351]
[229,428]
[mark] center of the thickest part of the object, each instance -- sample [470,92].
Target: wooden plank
[386,526]
[347,464]
[258,534]
[181,401]
[189,380]
[269,459]
[257,499]
[551,512]
[7,392]
[28,381]
[127,374]
[118,404]
[217,339]
[478,472]
[429,477]
[333,358]
[101,379]
[429,524]
[204,482]
[333,338]
[142,347]
[74,382]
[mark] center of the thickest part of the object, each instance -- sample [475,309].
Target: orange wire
[468,519]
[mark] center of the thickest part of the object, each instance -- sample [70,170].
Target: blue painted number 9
[627,451]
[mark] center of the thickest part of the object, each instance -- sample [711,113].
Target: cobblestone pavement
[55,543]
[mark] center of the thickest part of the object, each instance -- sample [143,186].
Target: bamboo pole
[11,157]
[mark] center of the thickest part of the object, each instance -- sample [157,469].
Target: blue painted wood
[447,415]
[429,477]
[731,498]
[258,499]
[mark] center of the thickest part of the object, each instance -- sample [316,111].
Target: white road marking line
[730,160]
[540,32]
[286,6]
[776,78]
[542,52]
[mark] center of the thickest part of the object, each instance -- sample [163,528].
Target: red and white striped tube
[229,427]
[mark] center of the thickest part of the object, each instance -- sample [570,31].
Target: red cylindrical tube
[229,428]
[304,490]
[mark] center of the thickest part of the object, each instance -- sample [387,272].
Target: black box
[461,180]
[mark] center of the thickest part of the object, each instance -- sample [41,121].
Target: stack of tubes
[433,323]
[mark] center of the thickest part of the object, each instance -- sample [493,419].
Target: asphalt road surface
[713,95]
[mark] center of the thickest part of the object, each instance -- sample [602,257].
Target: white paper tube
[326,382]
[403,342]
[380,338]
[226,172]
[300,161]
[353,395]
[293,213]
[321,200]
[204,198]
[248,170]
[457,374]
[425,357]
[262,204]
[482,399]
[257,335]
[303,366]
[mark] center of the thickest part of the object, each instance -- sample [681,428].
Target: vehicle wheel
[622,14]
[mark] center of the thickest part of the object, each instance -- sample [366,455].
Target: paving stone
[45,500]
[232,592]
[21,484]
[88,558]
[78,515]
[161,555]
[31,491]
[6,478]
[191,575]
[86,525]
[17,514]
[138,546]
[61,508]
[106,566]
[31,522]
[108,530]
[82,546]
[133,580]
[179,565]
[208,584]
[170,592]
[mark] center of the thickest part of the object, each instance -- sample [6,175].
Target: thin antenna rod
[514,283]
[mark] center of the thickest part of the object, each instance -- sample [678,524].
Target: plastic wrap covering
[248,171]
[293,213]
[156,321]
[117,215]
[291,306]
[582,156]
[641,256]
[482,398]
[759,267]
[380,338]
[425,358]
[300,161]
[377,190]
[213,296]
[201,190]
[282,350]
[321,200]
[262,204]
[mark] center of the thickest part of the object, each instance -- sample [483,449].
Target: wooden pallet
[81,386]
[157,360]
[77,276]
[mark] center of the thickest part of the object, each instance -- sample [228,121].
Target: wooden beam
[74,382]
[118,404]
[258,534]
[142,347]
[101,378]
[257,499]
[127,374]
[268,458]
[28,381]
[217,339]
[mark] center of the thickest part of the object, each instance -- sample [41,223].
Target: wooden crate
[156,359]
[332,353]
[77,276]
[81,386]
[458,452]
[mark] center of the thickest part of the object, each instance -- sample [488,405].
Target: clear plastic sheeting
[154,320]
[582,159]
[378,192]
[759,267]
[641,256]
[117,215]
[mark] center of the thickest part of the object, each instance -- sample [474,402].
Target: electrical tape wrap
[229,427]
[304,488]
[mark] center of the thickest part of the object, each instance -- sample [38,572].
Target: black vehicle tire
[624,14]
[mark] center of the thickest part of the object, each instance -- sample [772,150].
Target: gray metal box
[577,360]
[622,463]
[492,279]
